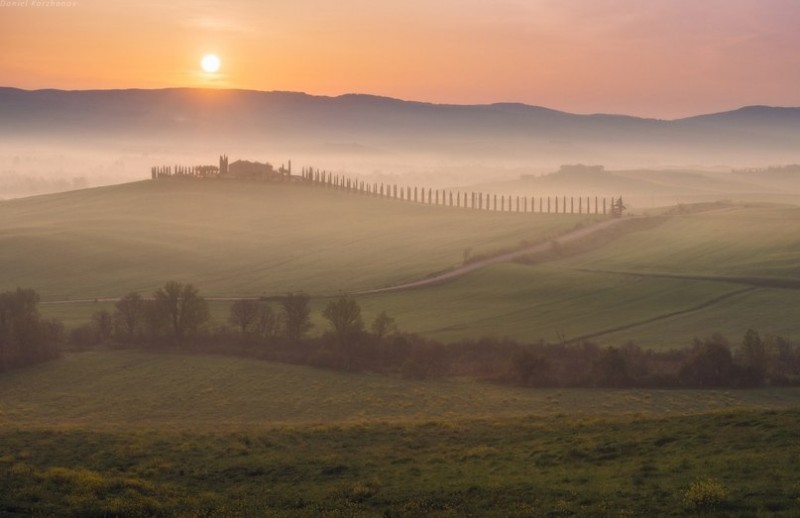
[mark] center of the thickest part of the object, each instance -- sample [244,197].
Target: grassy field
[752,240]
[128,390]
[540,301]
[134,434]
[612,291]
[240,238]
[677,280]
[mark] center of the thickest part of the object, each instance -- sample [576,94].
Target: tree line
[563,204]
[472,200]
[176,317]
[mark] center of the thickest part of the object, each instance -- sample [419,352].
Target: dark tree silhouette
[267,323]
[103,323]
[383,326]
[25,338]
[295,313]
[129,314]
[617,207]
[709,364]
[344,315]
[244,314]
[184,307]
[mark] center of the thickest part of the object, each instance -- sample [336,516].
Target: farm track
[461,271]
[435,279]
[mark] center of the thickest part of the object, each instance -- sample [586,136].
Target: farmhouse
[240,169]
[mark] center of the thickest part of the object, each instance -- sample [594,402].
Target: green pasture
[123,390]
[741,240]
[663,284]
[138,434]
[241,238]
[658,282]
[533,302]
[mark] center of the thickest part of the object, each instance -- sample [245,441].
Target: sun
[210,63]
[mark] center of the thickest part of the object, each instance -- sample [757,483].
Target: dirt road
[460,271]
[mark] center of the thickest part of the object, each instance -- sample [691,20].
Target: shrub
[705,495]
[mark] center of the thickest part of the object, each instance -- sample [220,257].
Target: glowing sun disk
[210,63]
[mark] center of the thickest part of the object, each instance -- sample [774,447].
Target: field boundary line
[708,303]
[759,282]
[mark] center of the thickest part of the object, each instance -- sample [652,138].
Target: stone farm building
[240,169]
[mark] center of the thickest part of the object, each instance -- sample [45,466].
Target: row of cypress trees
[469,200]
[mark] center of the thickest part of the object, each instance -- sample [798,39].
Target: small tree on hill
[344,314]
[383,325]
[267,323]
[103,324]
[752,356]
[709,365]
[185,309]
[129,314]
[25,338]
[296,315]
[617,207]
[244,314]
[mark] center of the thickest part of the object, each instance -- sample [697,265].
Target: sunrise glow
[210,63]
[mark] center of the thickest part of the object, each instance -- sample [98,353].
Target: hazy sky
[661,58]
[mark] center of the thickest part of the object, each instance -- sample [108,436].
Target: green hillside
[660,285]
[691,275]
[740,240]
[240,238]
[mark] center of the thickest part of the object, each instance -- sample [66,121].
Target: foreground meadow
[137,434]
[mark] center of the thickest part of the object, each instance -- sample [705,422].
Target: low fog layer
[57,140]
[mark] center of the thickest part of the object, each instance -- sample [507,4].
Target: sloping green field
[689,276]
[240,238]
[542,301]
[657,284]
[742,240]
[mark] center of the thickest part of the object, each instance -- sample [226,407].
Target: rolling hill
[679,277]
[659,282]
[241,238]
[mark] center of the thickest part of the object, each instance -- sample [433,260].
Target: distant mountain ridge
[196,115]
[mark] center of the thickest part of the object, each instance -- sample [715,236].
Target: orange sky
[660,58]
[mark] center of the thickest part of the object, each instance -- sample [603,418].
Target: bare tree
[344,314]
[383,325]
[184,307]
[244,313]
[129,313]
[296,315]
[103,324]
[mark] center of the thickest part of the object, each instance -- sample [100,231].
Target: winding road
[460,271]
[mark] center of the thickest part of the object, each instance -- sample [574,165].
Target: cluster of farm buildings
[242,169]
